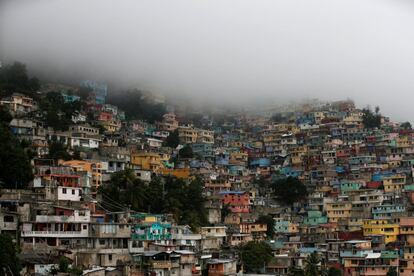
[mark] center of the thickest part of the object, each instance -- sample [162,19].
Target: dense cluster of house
[356,217]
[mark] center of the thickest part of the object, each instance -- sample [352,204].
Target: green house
[151,231]
[315,218]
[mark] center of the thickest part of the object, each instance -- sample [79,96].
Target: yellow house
[257,144]
[296,154]
[318,116]
[394,183]
[205,136]
[383,227]
[112,126]
[94,168]
[239,158]
[187,135]
[403,141]
[338,210]
[150,218]
[165,157]
[149,161]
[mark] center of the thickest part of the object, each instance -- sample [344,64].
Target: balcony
[111,230]
[9,226]
[45,219]
[164,265]
[215,234]
[55,234]
[354,254]
[151,237]
[186,236]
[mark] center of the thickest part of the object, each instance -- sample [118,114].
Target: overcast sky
[230,50]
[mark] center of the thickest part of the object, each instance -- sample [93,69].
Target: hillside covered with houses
[129,184]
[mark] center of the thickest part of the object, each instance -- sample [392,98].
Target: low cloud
[231,51]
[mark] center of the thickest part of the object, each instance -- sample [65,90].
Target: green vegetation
[58,150]
[371,119]
[169,195]
[9,262]
[332,271]
[172,140]
[224,212]
[406,126]
[137,106]
[15,168]
[186,152]
[295,271]
[392,271]
[58,114]
[312,268]
[64,267]
[14,78]
[270,222]
[289,190]
[255,256]
[312,265]
[263,184]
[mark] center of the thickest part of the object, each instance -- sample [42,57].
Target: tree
[312,265]
[63,264]
[5,116]
[255,256]
[289,190]
[65,267]
[15,168]
[9,262]
[270,223]
[186,152]
[333,271]
[406,126]
[370,119]
[295,271]
[225,211]
[57,150]
[263,184]
[392,271]
[170,195]
[138,106]
[172,140]
[84,93]
[58,113]
[195,214]
[14,78]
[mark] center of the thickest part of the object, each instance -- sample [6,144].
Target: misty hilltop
[222,51]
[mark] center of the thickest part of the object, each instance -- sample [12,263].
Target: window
[84,226]
[110,257]
[8,219]
[64,190]
[73,192]
[101,241]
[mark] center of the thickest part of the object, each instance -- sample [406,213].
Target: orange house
[221,267]
[93,168]
[179,173]
[238,202]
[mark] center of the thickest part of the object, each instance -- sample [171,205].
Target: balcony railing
[67,234]
[164,265]
[151,237]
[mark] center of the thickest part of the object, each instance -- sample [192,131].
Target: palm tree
[312,265]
